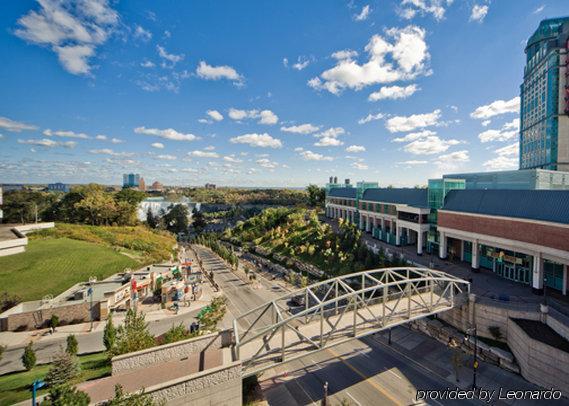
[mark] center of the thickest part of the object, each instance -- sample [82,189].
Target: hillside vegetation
[297,233]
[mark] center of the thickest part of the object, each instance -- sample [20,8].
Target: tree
[54,321]
[176,219]
[198,220]
[64,369]
[176,333]
[66,395]
[316,195]
[131,196]
[29,357]
[133,399]
[110,334]
[152,221]
[72,345]
[133,335]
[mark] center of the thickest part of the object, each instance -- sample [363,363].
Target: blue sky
[261,93]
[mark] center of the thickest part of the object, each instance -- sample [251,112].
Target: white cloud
[203,154]
[402,54]
[429,145]
[301,63]
[507,158]
[117,141]
[209,72]
[332,132]
[539,9]
[512,125]
[344,54]
[364,14]
[371,117]
[215,115]
[486,123]
[101,137]
[142,34]
[157,145]
[166,157]
[65,134]
[413,162]
[267,163]
[15,126]
[355,148]
[46,142]
[147,64]
[393,92]
[168,133]
[509,131]
[285,62]
[108,151]
[257,140]
[414,136]
[328,142]
[410,8]
[168,57]
[312,156]
[452,161]
[232,159]
[359,165]
[264,116]
[209,148]
[72,30]
[301,129]
[478,12]
[497,108]
[412,122]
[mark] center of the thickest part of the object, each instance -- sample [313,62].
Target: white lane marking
[393,373]
[353,398]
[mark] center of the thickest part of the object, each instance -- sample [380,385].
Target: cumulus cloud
[264,116]
[359,165]
[410,8]
[412,122]
[413,162]
[508,132]
[506,158]
[301,129]
[209,72]
[232,159]
[312,156]
[168,133]
[48,143]
[414,136]
[267,163]
[203,154]
[355,148]
[147,64]
[141,33]
[101,137]
[478,12]
[344,54]
[257,140]
[15,126]
[452,161]
[328,142]
[108,151]
[402,54]
[497,108]
[117,141]
[429,145]
[166,157]
[364,14]
[393,92]
[215,115]
[371,117]
[173,59]
[301,62]
[157,145]
[65,134]
[72,29]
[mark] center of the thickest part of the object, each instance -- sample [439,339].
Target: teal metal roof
[547,29]
[346,192]
[408,196]
[543,205]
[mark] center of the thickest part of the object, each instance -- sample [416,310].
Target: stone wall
[539,363]
[140,359]
[216,386]
[68,313]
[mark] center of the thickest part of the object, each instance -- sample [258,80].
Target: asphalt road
[362,372]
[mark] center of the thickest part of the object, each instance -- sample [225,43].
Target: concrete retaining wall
[216,386]
[539,363]
[140,359]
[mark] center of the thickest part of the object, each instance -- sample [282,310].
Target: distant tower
[335,179]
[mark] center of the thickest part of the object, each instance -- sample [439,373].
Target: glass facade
[437,191]
[539,108]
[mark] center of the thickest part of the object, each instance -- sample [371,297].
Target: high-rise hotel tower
[544,135]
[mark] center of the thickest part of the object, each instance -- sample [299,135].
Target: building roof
[543,205]
[408,196]
[347,192]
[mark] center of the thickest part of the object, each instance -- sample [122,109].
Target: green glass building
[544,120]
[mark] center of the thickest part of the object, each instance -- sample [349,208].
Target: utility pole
[325,398]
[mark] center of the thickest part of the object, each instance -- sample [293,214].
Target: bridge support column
[443,245]
[420,243]
[397,235]
[475,256]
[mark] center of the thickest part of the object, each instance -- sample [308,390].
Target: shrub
[54,321]
[29,357]
[66,395]
[176,333]
[64,369]
[132,399]
[495,332]
[110,334]
[133,335]
[72,345]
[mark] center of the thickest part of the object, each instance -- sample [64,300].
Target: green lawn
[15,387]
[50,266]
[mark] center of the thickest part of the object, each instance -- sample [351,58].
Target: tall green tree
[133,335]
[176,219]
[64,369]
[152,221]
[316,195]
[198,220]
[66,395]
[72,346]
[131,196]
[29,357]
[109,334]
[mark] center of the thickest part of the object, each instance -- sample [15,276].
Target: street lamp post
[470,332]
[545,290]
[325,398]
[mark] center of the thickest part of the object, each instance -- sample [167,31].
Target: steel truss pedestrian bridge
[340,309]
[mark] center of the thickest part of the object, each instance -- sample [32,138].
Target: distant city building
[10,187]
[523,179]
[157,187]
[157,205]
[210,186]
[544,120]
[58,187]
[133,180]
